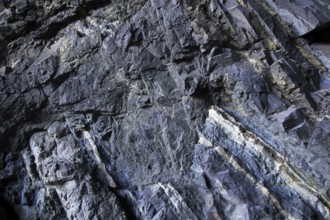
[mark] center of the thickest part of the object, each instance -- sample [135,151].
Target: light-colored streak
[96,156]
[258,147]
[204,141]
[176,199]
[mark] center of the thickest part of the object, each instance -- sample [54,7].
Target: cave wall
[165,109]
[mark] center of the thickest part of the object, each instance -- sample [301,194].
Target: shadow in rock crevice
[7,212]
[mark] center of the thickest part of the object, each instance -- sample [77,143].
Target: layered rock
[159,109]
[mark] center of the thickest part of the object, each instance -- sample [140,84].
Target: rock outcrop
[165,109]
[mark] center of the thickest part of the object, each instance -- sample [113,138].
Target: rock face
[165,109]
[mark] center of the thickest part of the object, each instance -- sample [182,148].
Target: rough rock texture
[165,109]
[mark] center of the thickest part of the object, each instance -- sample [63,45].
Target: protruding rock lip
[320,34]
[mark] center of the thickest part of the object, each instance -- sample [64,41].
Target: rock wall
[165,109]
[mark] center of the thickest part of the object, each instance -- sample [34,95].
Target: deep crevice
[320,34]
[127,207]
[7,211]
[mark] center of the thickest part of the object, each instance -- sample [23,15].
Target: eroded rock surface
[165,109]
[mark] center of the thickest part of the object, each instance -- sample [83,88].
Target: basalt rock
[164,109]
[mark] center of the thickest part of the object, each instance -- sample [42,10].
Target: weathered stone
[165,109]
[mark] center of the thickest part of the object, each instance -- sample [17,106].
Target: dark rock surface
[165,109]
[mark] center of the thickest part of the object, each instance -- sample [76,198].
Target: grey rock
[165,109]
[291,118]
